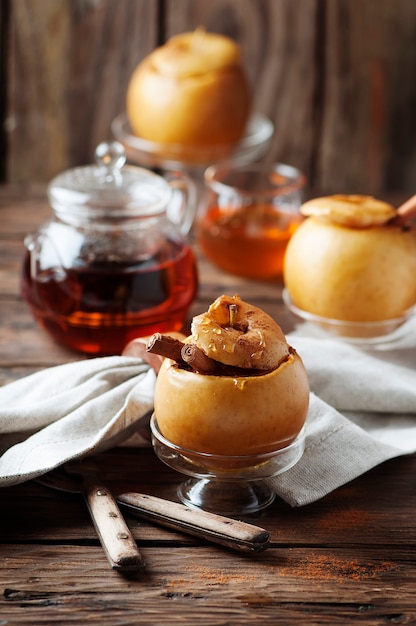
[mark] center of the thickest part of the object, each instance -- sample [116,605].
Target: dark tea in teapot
[110,265]
[101,307]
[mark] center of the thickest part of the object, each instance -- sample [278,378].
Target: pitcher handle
[182,206]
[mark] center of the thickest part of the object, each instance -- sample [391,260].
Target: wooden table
[350,557]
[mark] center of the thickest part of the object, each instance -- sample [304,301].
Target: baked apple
[192,92]
[253,394]
[352,259]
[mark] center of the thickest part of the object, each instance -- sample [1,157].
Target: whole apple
[350,260]
[192,91]
[232,416]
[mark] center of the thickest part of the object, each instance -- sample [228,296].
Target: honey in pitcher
[248,241]
[97,308]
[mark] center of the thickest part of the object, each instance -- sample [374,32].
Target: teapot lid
[109,189]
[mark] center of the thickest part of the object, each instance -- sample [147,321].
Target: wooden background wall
[337,77]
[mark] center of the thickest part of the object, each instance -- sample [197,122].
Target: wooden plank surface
[69,64]
[348,557]
[277,587]
[335,77]
[343,518]
[366,106]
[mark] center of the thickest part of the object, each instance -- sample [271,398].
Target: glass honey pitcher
[113,262]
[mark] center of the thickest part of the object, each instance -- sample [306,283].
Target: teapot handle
[182,206]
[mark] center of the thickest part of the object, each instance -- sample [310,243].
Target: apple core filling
[232,338]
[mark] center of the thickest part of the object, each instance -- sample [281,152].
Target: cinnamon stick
[165,346]
[183,353]
[197,359]
[407,211]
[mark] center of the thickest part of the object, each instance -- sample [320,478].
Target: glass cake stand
[227,485]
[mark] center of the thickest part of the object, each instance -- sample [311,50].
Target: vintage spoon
[209,526]
[114,534]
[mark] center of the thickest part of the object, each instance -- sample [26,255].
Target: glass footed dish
[227,485]
[371,333]
[171,156]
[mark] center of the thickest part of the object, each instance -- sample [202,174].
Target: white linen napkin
[68,411]
[362,413]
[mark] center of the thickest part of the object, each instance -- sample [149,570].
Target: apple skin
[232,416]
[351,274]
[193,91]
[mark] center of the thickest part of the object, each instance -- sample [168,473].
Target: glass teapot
[113,263]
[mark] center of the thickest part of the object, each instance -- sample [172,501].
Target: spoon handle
[114,534]
[216,528]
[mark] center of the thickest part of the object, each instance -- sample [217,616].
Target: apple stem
[197,37]
[233,314]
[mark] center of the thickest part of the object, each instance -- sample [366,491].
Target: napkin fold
[69,411]
[362,413]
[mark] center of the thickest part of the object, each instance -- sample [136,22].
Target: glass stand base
[229,498]
[232,486]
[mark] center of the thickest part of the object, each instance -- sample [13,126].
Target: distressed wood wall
[337,78]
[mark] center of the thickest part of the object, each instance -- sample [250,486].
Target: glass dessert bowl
[354,332]
[223,484]
[141,151]
[230,405]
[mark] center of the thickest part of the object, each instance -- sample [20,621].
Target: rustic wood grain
[367,102]
[68,68]
[335,77]
[209,589]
